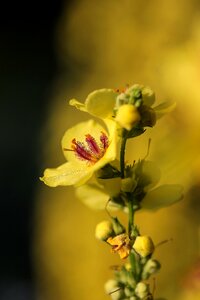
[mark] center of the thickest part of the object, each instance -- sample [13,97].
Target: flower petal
[100,103]
[66,174]
[111,185]
[162,196]
[94,197]
[164,108]
[77,104]
[111,152]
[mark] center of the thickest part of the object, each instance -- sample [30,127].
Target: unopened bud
[143,245]
[112,289]
[128,292]
[104,230]
[151,267]
[127,116]
[142,290]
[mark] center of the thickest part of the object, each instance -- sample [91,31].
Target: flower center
[90,150]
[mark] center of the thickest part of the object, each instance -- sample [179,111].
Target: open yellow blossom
[87,148]
[145,178]
[120,244]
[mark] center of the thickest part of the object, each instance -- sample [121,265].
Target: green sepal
[135,131]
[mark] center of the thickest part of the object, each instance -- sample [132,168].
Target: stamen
[81,151]
[104,140]
[91,151]
[92,144]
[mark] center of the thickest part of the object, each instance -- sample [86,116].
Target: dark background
[28,67]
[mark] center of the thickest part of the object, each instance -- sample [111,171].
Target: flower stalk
[122,157]
[105,181]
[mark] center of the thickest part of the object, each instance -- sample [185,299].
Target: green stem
[133,264]
[130,206]
[122,156]
[130,217]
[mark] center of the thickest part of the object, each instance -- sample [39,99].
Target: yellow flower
[143,245]
[104,104]
[148,175]
[87,148]
[120,244]
[144,176]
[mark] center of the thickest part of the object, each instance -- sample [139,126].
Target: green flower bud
[104,230]
[142,290]
[143,245]
[151,267]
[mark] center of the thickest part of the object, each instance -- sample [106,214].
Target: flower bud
[127,116]
[104,230]
[143,245]
[112,288]
[128,291]
[142,290]
[151,267]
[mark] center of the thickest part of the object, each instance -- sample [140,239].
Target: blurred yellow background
[111,44]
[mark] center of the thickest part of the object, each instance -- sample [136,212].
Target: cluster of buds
[129,282]
[133,108]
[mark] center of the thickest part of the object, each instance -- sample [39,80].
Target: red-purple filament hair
[91,150]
